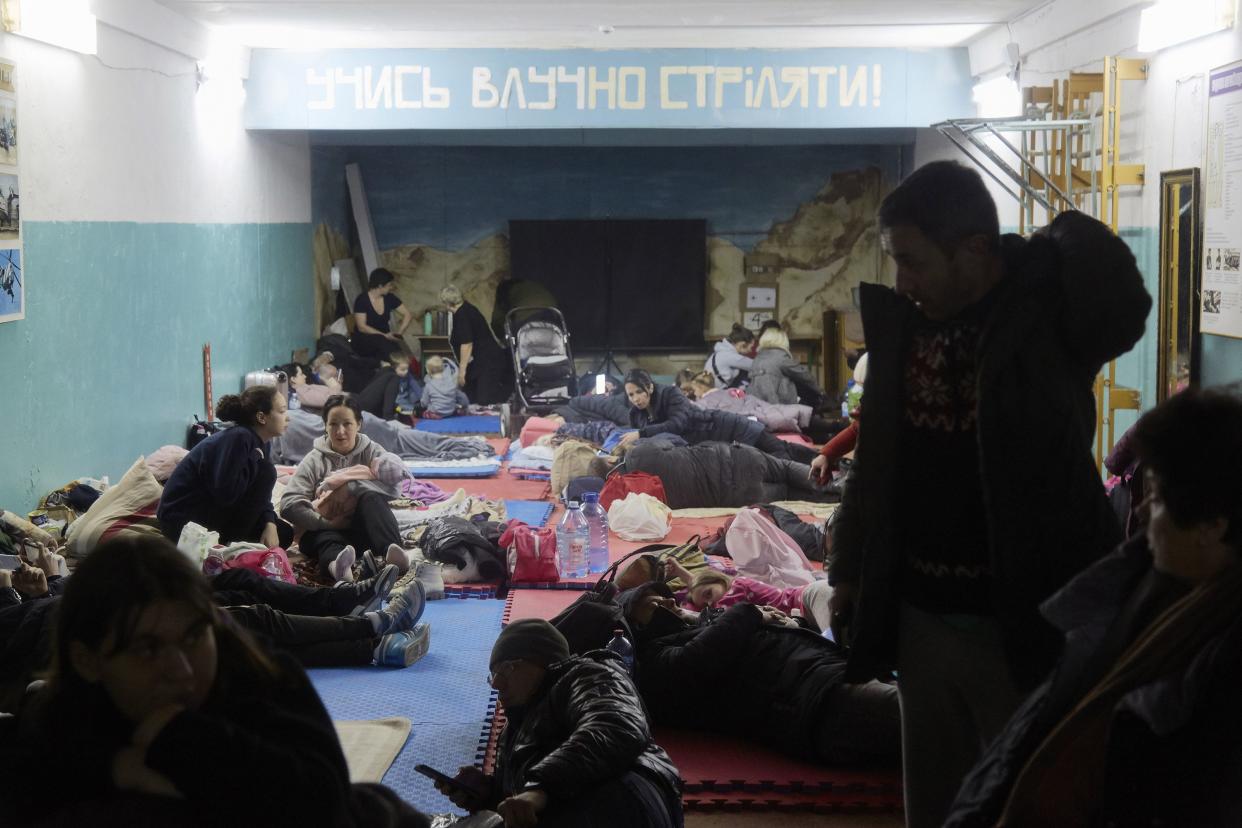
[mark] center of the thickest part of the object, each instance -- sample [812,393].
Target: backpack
[571,459]
[648,564]
[200,430]
[620,485]
[531,553]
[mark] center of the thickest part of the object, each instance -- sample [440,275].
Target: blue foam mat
[481,470]
[465,424]
[531,512]
[445,695]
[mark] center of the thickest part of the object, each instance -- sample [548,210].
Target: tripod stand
[607,365]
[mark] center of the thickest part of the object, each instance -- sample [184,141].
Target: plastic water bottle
[572,538]
[597,526]
[622,647]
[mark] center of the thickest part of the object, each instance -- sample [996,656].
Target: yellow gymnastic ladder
[1067,157]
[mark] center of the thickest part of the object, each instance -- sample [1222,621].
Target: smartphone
[428,771]
[10,562]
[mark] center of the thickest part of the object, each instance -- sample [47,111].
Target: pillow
[127,507]
[163,460]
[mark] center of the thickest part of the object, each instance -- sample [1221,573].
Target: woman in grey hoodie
[371,525]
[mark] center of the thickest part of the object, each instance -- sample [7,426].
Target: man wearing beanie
[577,748]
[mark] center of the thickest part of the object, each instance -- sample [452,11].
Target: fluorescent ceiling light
[68,24]
[997,98]
[1170,22]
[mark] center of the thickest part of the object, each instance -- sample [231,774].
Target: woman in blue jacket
[225,482]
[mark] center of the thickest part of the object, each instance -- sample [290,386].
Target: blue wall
[107,364]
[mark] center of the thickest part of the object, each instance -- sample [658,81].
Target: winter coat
[612,408]
[719,474]
[669,412]
[1174,745]
[1070,300]
[776,418]
[735,674]
[225,481]
[297,503]
[586,727]
[441,393]
[776,377]
[725,363]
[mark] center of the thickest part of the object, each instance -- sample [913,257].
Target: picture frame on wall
[12,276]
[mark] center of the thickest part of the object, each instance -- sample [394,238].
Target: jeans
[373,527]
[235,587]
[633,801]
[315,642]
[380,395]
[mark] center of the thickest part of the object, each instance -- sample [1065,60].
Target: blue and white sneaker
[401,649]
[404,608]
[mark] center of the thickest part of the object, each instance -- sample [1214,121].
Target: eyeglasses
[503,670]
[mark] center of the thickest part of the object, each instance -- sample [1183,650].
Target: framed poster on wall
[1220,306]
[12,280]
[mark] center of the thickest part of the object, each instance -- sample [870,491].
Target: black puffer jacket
[1071,299]
[737,674]
[722,474]
[612,408]
[669,413]
[586,727]
[451,540]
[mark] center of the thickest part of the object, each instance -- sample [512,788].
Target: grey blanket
[400,439]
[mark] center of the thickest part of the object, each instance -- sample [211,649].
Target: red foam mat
[537,603]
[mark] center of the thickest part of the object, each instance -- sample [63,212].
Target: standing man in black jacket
[974,496]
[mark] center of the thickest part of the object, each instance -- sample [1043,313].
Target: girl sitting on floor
[169,714]
[366,521]
[225,482]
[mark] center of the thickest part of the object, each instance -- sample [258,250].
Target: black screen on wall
[621,284]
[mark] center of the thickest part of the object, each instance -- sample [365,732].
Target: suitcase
[277,379]
[200,430]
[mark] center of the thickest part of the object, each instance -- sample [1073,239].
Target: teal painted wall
[1222,360]
[107,364]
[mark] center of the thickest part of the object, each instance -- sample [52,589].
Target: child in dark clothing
[164,709]
[225,482]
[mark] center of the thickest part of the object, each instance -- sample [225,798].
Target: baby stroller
[543,365]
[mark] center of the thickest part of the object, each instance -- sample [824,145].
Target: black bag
[200,430]
[449,540]
[588,622]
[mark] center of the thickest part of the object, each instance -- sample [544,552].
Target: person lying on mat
[164,712]
[713,588]
[753,671]
[225,482]
[366,520]
[663,409]
[720,474]
[441,397]
[576,749]
[1139,723]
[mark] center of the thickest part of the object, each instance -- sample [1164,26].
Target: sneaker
[373,590]
[342,568]
[396,554]
[404,608]
[369,567]
[430,575]
[403,648]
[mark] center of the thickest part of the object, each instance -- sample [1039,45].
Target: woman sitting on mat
[168,714]
[577,749]
[663,409]
[373,335]
[225,482]
[370,524]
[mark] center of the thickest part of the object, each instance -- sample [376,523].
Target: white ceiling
[602,24]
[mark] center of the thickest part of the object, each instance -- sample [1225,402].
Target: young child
[441,396]
[409,389]
[712,588]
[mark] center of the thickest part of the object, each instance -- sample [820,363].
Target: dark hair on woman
[107,595]
[291,368]
[380,277]
[639,377]
[1192,442]
[244,409]
[740,333]
[337,400]
[946,201]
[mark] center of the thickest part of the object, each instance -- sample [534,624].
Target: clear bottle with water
[572,537]
[622,647]
[597,526]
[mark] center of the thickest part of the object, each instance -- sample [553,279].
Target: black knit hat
[530,639]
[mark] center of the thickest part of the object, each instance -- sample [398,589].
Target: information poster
[12,281]
[1221,309]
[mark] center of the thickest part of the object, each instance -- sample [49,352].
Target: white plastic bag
[639,517]
[196,542]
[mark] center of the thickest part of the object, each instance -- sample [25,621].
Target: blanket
[304,427]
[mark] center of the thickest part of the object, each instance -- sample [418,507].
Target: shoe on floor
[401,649]
[369,567]
[371,592]
[429,574]
[404,608]
[342,567]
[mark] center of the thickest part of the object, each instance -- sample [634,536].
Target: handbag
[620,485]
[270,563]
[648,564]
[531,553]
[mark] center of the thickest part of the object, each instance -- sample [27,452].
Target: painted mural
[441,213]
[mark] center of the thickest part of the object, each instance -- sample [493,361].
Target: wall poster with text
[12,279]
[1221,301]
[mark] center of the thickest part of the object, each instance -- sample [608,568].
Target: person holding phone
[576,750]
